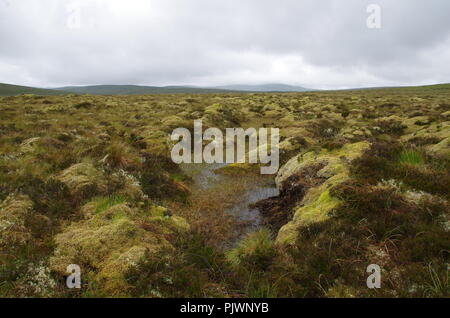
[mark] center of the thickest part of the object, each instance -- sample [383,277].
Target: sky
[326,44]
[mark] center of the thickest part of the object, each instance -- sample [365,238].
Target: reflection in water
[205,178]
[203,173]
[252,216]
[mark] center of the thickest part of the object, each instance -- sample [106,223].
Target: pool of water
[252,216]
[203,174]
[204,177]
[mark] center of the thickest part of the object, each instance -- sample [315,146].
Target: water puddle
[244,213]
[259,188]
[203,174]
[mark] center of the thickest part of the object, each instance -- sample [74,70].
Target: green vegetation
[255,250]
[411,157]
[88,180]
[105,203]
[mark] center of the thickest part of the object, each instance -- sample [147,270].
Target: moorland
[364,179]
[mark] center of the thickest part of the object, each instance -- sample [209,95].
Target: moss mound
[114,240]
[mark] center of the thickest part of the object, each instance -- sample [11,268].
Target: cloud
[318,44]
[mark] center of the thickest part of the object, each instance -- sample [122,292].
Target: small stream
[205,178]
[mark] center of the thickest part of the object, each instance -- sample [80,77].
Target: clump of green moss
[113,241]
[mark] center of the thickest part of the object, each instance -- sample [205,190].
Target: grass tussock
[411,157]
[256,249]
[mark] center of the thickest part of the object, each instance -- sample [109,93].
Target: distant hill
[265,88]
[434,87]
[430,87]
[13,90]
[137,90]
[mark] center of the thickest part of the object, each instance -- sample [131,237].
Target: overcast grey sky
[316,44]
